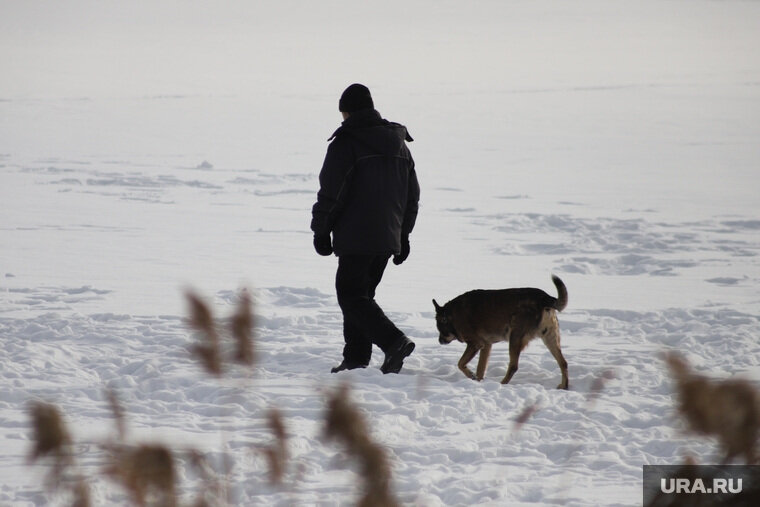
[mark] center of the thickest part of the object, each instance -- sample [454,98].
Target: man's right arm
[333,185]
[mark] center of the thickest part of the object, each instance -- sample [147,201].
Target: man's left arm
[412,201]
[410,214]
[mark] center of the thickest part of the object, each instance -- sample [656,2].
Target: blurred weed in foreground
[345,423]
[52,441]
[212,350]
[51,437]
[726,409]
[277,453]
[145,471]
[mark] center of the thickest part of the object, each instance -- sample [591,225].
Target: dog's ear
[437,306]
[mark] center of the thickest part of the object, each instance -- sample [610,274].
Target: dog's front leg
[515,347]
[485,352]
[469,353]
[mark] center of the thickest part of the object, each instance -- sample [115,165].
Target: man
[368,199]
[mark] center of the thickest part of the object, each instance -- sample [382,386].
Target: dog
[481,318]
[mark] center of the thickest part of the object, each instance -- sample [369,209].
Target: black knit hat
[355,98]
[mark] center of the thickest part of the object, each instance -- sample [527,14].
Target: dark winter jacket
[369,194]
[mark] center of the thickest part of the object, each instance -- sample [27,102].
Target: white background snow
[147,147]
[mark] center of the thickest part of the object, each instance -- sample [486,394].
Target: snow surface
[150,147]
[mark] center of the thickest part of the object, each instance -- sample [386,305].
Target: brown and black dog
[481,318]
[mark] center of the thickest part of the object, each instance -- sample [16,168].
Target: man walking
[368,199]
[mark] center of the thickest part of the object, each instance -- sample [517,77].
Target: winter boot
[394,358]
[347,365]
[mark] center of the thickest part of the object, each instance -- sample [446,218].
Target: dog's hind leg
[557,353]
[485,352]
[550,336]
[469,353]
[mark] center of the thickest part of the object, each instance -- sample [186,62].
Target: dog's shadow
[533,371]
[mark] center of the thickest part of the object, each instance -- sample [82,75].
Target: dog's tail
[561,302]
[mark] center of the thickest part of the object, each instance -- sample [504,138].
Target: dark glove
[322,244]
[401,256]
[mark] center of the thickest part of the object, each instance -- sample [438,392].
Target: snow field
[451,441]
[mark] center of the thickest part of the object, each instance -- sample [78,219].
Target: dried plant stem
[726,409]
[114,404]
[346,424]
[145,471]
[208,351]
[241,328]
[277,453]
[52,441]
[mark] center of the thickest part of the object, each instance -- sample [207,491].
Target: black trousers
[364,322]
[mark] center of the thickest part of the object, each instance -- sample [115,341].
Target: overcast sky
[96,48]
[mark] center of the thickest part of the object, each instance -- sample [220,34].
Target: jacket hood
[367,127]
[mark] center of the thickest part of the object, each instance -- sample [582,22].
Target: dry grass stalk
[726,409]
[81,494]
[210,350]
[52,440]
[241,327]
[277,453]
[202,320]
[51,437]
[598,385]
[345,423]
[212,488]
[524,416]
[146,472]
[118,414]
